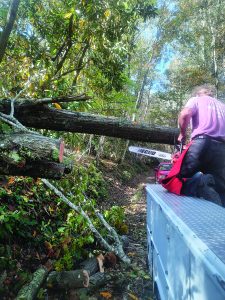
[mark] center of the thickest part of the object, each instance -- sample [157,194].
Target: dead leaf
[9,192]
[132,296]
[11,180]
[65,242]
[106,294]
[131,254]
[48,245]
[57,253]
[38,181]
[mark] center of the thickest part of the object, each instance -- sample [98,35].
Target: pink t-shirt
[208,116]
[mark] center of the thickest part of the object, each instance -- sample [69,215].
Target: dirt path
[133,283]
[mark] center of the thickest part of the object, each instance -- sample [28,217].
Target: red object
[162,170]
[172,182]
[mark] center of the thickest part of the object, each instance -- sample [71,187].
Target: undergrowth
[37,226]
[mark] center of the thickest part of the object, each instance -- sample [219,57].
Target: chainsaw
[150,152]
[155,153]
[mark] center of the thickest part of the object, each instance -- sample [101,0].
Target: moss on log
[30,290]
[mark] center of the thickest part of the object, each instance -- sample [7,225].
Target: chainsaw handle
[179,147]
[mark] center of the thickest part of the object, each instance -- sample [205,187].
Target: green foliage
[15,157]
[126,175]
[31,213]
[85,181]
[197,44]
[66,262]
[5,128]
[13,217]
[91,35]
[115,217]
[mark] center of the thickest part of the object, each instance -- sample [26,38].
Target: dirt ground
[131,282]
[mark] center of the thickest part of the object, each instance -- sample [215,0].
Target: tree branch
[117,250]
[80,62]
[68,45]
[36,102]
[8,27]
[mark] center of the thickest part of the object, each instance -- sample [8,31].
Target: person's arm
[183,121]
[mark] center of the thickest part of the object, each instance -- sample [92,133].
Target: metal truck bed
[186,242]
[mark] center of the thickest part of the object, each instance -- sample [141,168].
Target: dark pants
[206,155]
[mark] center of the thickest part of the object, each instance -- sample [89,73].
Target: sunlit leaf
[57,105]
[107,13]
[68,15]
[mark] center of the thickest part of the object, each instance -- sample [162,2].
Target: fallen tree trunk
[91,265]
[30,154]
[30,290]
[68,279]
[43,117]
[33,155]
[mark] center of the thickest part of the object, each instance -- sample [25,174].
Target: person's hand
[181,138]
[175,157]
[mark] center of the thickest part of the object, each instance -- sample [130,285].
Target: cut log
[110,260]
[30,290]
[90,265]
[93,265]
[34,155]
[30,147]
[68,279]
[98,279]
[40,169]
[44,117]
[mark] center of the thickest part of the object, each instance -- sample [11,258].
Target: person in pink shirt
[204,162]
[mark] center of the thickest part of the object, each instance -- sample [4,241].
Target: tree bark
[91,265]
[68,279]
[44,117]
[4,37]
[30,290]
[30,154]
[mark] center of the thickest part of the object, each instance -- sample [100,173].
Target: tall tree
[8,26]
[195,30]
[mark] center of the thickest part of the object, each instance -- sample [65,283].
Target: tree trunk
[97,281]
[34,155]
[100,149]
[4,37]
[93,265]
[44,117]
[30,290]
[68,279]
[31,154]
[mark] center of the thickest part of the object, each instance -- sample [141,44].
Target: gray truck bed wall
[186,242]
